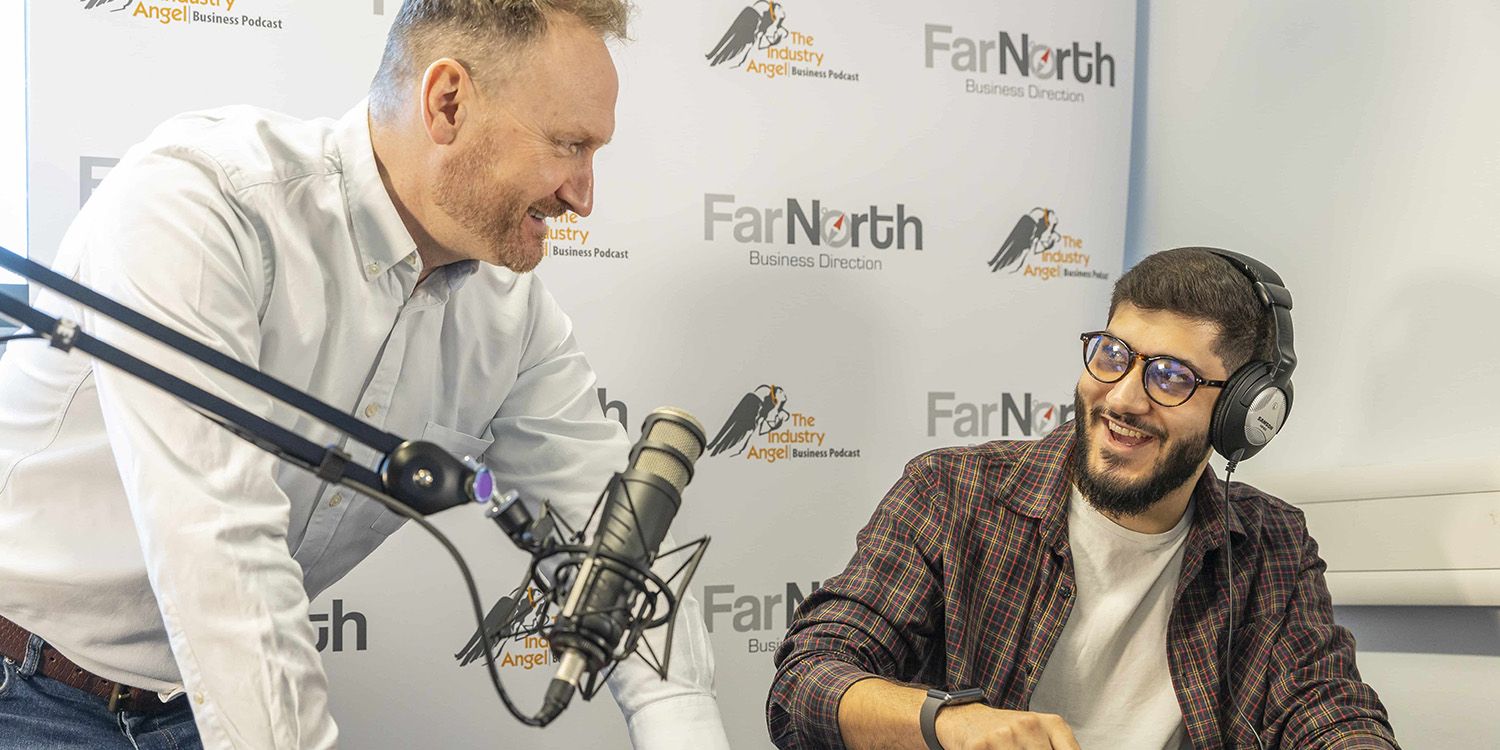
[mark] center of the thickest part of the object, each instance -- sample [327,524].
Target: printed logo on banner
[809,224]
[762,42]
[1025,68]
[760,428]
[113,5]
[188,12]
[569,235]
[764,614]
[91,172]
[525,652]
[1014,416]
[1035,248]
[331,628]
[511,624]
[616,410]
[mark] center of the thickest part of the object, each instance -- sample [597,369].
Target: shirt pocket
[459,444]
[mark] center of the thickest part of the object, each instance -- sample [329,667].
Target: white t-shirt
[1108,675]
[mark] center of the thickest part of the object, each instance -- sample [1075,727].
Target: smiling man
[155,570]
[1071,592]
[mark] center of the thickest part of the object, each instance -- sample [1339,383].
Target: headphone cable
[1229,636]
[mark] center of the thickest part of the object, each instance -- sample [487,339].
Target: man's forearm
[875,714]
[878,715]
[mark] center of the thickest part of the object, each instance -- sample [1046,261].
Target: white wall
[12,135]
[1352,146]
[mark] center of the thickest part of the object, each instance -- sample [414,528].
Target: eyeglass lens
[1168,381]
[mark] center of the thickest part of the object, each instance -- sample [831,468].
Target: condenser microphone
[639,506]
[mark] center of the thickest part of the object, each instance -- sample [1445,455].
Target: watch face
[956,697]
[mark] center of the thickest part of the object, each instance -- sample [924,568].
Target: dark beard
[1117,498]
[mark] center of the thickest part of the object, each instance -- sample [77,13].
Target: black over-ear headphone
[1255,402]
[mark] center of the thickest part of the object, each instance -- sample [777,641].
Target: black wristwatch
[936,701]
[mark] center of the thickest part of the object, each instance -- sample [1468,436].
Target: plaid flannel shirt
[963,578]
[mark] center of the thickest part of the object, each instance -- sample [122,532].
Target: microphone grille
[678,429]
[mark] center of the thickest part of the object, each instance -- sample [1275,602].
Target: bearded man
[155,570]
[1073,591]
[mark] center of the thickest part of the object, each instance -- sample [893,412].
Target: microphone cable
[474,601]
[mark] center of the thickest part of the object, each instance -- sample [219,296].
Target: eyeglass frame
[1198,380]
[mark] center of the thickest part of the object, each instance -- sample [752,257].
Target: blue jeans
[40,713]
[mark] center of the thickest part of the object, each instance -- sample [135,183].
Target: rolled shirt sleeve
[877,618]
[1317,697]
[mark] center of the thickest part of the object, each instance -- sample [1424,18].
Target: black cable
[20,336]
[1229,636]
[473,590]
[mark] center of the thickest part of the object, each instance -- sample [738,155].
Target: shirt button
[198,698]
[333,502]
[372,410]
[372,269]
[411,260]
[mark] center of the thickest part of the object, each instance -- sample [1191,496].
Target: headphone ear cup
[1227,428]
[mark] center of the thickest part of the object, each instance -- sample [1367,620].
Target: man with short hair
[1070,592]
[155,570]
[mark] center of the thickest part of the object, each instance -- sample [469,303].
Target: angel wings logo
[758,413]
[1036,248]
[760,41]
[1034,233]
[113,5]
[757,27]
[762,428]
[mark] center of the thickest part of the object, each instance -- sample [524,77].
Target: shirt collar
[380,237]
[1039,485]
[1042,484]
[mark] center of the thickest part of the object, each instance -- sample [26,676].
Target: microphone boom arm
[414,479]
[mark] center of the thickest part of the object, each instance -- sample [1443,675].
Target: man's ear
[446,93]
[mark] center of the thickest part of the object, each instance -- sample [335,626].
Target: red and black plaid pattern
[963,578]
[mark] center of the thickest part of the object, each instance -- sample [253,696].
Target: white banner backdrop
[891,224]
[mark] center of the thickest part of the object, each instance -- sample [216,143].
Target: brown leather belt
[13,640]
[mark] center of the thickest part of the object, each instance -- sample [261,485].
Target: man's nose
[578,190]
[1126,395]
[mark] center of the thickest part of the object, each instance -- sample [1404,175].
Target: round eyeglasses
[1167,380]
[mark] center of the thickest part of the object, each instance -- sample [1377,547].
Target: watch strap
[936,701]
[929,720]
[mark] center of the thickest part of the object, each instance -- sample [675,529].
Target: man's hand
[874,714]
[978,727]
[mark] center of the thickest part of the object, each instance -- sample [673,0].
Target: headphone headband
[1255,402]
[1277,300]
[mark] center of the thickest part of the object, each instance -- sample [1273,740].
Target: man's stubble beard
[1178,465]
[493,215]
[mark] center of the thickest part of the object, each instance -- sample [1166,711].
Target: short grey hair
[472,32]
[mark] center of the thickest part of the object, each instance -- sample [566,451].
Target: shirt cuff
[819,688]
[1361,742]
[686,722]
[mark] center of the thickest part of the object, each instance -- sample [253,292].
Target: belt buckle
[117,693]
